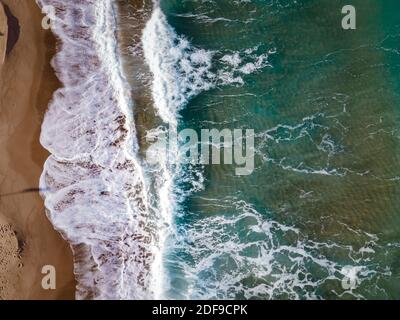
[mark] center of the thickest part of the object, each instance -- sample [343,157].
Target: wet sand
[27,239]
[135,68]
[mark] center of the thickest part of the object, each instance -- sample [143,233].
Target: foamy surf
[248,254]
[119,212]
[180,72]
[96,195]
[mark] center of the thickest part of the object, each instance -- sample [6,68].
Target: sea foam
[116,210]
[96,194]
[249,255]
[208,258]
[180,72]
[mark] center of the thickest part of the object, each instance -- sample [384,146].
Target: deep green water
[323,202]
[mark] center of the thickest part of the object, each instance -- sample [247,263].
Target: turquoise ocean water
[319,216]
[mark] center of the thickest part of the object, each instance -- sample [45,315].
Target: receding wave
[96,195]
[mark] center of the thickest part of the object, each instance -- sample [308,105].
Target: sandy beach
[27,239]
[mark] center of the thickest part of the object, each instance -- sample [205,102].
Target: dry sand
[27,239]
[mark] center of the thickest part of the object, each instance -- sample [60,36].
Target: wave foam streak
[181,71]
[251,256]
[95,189]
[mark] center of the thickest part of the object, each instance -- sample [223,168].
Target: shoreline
[93,150]
[27,72]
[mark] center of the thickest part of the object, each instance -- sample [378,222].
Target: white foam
[245,62]
[232,59]
[252,256]
[180,72]
[96,192]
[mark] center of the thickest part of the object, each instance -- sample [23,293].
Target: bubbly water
[317,219]
[96,192]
